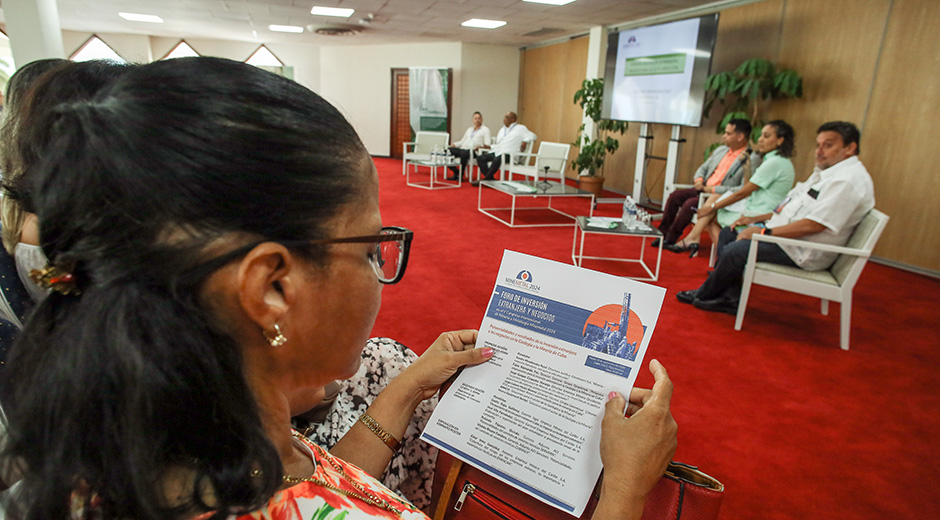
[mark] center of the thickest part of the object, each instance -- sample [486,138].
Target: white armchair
[550,161]
[835,283]
[516,158]
[421,147]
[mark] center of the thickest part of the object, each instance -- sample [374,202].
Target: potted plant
[594,146]
[748,90]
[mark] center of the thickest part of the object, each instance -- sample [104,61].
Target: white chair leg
[845,325]
[742,303]
[712,255]
[824,307]
[746,284]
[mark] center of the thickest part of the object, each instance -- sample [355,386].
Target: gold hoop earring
[276,338]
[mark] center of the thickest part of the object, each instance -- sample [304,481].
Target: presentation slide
[653,74]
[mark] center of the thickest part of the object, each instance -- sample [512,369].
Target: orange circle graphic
[610,314]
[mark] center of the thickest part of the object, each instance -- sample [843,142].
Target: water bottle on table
[629,213]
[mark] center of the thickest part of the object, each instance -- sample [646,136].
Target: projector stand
[643,146]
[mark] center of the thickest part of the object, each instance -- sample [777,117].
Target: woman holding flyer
[219,259]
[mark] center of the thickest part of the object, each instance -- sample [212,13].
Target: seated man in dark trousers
[473,139]
[724,170]
[825,209]
[512,137]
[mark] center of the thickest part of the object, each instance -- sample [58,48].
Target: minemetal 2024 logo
[523,280]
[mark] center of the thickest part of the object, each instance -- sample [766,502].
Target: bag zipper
[491,502]
[468,489]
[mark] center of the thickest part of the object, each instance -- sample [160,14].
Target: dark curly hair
[107,390]
[846,130]
[783,129]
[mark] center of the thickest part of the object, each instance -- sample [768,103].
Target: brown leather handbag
[463,492]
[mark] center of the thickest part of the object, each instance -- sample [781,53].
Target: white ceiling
[394,20]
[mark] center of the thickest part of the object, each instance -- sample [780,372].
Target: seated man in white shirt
[825,208]
[473,139]
[512,137]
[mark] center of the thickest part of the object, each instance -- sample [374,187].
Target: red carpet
[794,426]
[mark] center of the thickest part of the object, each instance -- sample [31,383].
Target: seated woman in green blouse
[764,191]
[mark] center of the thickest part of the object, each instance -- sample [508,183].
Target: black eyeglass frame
[387,234]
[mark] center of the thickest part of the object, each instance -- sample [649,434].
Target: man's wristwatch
[766,231]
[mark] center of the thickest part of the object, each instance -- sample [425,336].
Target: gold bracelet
[380,432]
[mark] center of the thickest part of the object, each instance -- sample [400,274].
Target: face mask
[29,257]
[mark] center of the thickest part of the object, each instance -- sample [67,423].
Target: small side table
[433,166]
[547,190]
[577,247]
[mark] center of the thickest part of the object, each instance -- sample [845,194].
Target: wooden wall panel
[550,77]
[873,62]
[834,45]
[899,143]
[749,31]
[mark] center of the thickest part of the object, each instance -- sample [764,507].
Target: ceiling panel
[394,21]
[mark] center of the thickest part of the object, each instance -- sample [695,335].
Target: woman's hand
[449,352]
[636,450]
[395,405]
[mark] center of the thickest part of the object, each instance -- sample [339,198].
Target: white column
[34,30]
[597,56]
[597,52]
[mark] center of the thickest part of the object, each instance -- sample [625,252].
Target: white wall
[357,79]
[490,85]
[304,58]
[138,48]
[132,47]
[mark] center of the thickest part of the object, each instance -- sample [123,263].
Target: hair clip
[58,280]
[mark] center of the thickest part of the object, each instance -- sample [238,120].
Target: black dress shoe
[692,249]
[655,243]
[686,296]
[725,305]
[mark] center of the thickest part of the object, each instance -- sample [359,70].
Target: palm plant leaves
[744,91]
[593,151]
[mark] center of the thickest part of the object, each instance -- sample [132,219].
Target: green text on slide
[651,65]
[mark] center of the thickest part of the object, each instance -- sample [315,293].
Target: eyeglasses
[389,258]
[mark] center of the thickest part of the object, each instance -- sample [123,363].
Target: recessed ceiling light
[549,2]
[141,17]
[286,28]
[483,24]
[332,11]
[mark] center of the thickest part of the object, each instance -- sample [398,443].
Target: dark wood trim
[87,41]
[450,95]
[182,41]
[393,146]
[282,64]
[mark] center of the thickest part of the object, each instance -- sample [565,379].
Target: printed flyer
[564,337]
